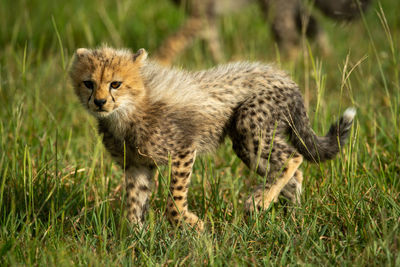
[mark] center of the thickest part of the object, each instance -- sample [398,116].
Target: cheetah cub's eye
[88,84]
[115,85]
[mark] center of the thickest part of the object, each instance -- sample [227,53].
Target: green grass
[60,197]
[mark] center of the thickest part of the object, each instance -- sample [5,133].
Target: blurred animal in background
[290,21]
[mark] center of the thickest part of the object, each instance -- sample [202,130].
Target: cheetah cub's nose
[100,102]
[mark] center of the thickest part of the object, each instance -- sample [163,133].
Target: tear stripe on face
[89,99]
[112,97]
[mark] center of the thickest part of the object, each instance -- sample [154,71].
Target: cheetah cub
[149,114]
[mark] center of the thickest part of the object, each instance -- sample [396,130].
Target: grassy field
[61,201]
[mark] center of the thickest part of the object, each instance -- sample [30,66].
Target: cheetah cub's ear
[80,52]
[140,56]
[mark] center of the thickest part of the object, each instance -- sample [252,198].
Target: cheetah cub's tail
[318,149]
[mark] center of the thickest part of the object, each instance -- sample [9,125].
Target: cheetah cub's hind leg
[261,144]
[292,190]
[177,206]
[265,195]
[271,157]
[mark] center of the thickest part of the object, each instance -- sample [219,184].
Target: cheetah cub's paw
[188,218]
[258,202]
[194,221]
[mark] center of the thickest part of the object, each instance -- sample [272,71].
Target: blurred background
[60,192]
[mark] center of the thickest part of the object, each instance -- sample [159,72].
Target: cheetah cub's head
[108,80]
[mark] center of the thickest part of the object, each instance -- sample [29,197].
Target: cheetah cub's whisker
[150,112]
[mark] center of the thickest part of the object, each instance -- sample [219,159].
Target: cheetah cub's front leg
[137,182]
[177,207]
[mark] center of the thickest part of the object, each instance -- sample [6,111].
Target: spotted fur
[159,114]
